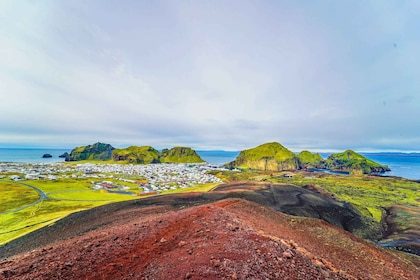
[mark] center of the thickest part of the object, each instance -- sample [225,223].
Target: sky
[230,75]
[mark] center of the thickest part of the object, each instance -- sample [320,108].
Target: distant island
[275,157]
[47,156]
[63,155]
[266,157]
[133,154]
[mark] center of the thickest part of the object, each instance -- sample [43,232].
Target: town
[150,177]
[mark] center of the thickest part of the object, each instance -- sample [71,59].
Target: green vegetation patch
[310,160]
[351,161]
[15,195]
[273,150]
[64,196]
[97,151]
[135,154]
[14,225]
[268,156]
[198,188]
[180,155]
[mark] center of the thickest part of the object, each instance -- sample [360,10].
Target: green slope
[310,160]
[136,154]
[97,151]
[269,156]
[350,161]
[180,155]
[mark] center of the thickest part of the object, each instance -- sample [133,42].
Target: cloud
[210,75]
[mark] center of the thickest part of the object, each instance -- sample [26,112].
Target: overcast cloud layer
[318,75]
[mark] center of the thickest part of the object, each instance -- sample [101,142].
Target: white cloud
[209,75]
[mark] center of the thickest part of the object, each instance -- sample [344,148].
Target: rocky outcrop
[47,156]
[309,160]
[64,155]
[97,151]
[135,154]
[267,157]
[352,162]
[180,155]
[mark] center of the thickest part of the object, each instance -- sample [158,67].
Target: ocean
[405,165]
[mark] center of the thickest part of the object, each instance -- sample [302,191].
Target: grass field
[63,197]
[14,196]
[198,188]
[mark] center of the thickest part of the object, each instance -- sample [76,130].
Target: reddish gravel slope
[227,239]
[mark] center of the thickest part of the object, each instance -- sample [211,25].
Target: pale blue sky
[318,75]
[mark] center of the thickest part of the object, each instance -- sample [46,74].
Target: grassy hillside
[24,212]
[135,154]
[97,151]
[180,155]
[268,156]
[353,162]
[310,160]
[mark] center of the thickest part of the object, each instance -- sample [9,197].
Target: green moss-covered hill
[309,160]
[352,162]
[136,154]
[275,157]
[270,157]
[180,155]
[97,151]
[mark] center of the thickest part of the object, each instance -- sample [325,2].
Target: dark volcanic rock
[47,156]
[64,155]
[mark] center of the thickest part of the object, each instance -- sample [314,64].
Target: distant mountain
[275,157]
[180,155]
[309,160]
[269,156]
[352,162]
[135,154]
[97,151]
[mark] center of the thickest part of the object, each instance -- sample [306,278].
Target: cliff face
[309,160]
[352,162]
[135,154]
[268,157]
[180,155]
[97,151]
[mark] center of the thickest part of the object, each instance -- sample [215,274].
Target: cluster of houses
[156,177]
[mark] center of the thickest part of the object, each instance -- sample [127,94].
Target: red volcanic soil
[226,239]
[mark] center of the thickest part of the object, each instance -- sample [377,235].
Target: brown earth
[168,238]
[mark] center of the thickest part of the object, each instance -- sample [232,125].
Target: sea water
[405,165]
[31,155]
[401,164]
